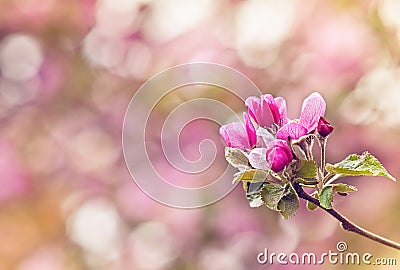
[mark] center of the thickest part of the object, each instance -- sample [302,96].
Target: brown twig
[346,224]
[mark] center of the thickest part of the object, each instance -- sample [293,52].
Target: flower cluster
[266,140]
[275,157]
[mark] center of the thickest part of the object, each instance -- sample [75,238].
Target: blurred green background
[68,70]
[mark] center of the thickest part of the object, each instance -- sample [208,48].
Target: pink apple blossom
[312,110]
[239,135]
[266,110]
[271,150]
[292,129]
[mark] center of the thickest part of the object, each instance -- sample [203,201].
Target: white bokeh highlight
[96,227]
[20,57]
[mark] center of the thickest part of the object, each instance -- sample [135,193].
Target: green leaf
[327,192]
[289,204]
[359,165]
[283,199]
[307,182]
[271,194]
[252,176]
[307,169]
[237,158]
[326,196]
[343,188]
[310,205]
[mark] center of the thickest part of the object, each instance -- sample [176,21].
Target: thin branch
[346,224]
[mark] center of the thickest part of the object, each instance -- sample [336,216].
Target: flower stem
[322,144]
[346,224]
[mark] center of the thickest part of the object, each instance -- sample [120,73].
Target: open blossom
[266,110]
[239,135]
[312,110]
[267,149]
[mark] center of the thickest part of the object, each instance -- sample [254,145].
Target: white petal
[258,158]
[268,137]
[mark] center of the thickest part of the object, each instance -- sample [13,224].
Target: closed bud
[324,127]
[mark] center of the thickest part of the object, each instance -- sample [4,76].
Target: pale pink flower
[292,129]
[239,135]
[312,110]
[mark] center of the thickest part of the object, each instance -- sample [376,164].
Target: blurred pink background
[68,70]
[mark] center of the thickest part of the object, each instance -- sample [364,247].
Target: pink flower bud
[276,156]
[324,127]
[279,156]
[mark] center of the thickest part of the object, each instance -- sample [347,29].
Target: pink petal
[250,130]
[259,111]
[267,137]
[254,107]
[258,158]
[273,107]
[293,130]
[281,103]
[235,135]
[313,108]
